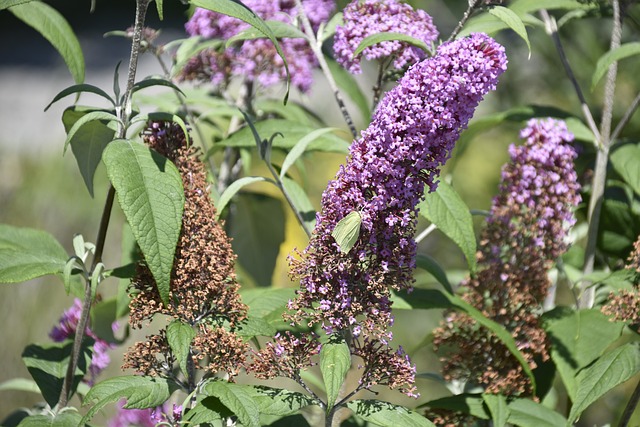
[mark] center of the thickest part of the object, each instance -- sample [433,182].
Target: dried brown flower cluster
[525,234]
[203,289]
[624,305]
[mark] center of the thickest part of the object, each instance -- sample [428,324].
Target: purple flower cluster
[363,19]
[145,417]
[526,232]
[411,135]
[539,183]
[256,60]
[66,329]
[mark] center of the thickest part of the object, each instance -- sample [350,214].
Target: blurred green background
[41,188]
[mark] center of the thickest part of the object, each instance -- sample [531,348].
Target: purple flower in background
[256,60]
[66,329]
[526,232]
[411,135]
[363,19]
[167,413]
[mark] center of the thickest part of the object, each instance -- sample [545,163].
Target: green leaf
[335,361]
[513,21]
[624,51]
[237,9]
[499,331]
[472,404]
[53,27]
[615,367]
[279,29]
[527,413]
[48,363]
[149,189]
[179,336]
[4,4]
[427,299]
[154,81]
[69,418]
[255,327]
[237,399]
[292,132]
[299,149]
[447,211]
[301,202]
[276,401]
[84,120]
[160,7]
[88,142]
[497,405]
[266,302]
[20,384]
[429,264]
[208,412]
[236,186]
[292,112]
[347,231]
[26,254]
[625,161]
[389,36]
[103,314]
[257,230]
[330,28]
[140,393]
[577,339]
[387,415]
[349,85]
[79,88]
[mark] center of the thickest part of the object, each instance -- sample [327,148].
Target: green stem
[473,4]
[280,185]
[67,385]
[631,406]
[602,158]
[316,46]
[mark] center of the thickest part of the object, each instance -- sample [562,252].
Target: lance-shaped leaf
[513,21]
[615,367]
[69,418]
[577,339]
[625,161]
[299,149]
[276,401]
[48,364]
[237,399]
[291,131]
[335,361]
[79,88]
[389,36]
[612,56]
[280,30]
[88,143]
[53,27]
[179,336]
[26,254]
[497,405]
[139,392]
[4,4]
[387,415]
[150,192]
[105,116]
[527,413]
[236,186]
[447,211]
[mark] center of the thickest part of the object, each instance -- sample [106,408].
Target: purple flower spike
[256,60]
[526,232]
[363,19]
[411,135]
